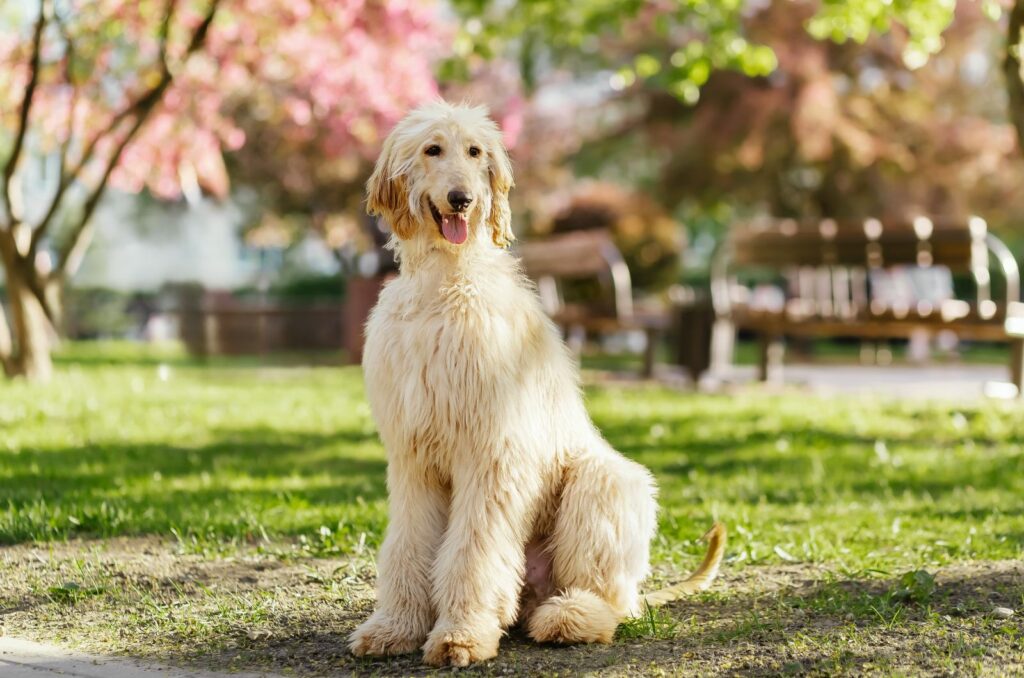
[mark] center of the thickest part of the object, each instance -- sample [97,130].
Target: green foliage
[101,312]
[589,30]
[595,32]
[310,287]
[924,21]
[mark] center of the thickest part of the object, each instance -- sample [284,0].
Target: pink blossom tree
[145,94]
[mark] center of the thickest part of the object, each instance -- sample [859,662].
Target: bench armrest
[1007,265]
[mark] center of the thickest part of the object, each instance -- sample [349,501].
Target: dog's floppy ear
[500,170]
[386,193]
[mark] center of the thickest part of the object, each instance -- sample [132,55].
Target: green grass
[206,454]
[232,460]
[651,623]
[132,445]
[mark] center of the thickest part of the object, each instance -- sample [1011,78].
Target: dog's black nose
[459,200]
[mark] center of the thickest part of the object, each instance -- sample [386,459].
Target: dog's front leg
[479,569]
[404,613]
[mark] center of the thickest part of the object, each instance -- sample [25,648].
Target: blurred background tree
[786,108]
[781,107]
[149,95]
[845,130]
[1013,69]
[710,109]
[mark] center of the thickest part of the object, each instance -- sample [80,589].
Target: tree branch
[26,108]
[63,179]
[69,78]
[135,108]
[73,249]
[7,254]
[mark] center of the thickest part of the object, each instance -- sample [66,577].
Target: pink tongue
[454,228]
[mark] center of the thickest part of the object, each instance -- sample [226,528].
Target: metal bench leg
[575,337]
[650,352]
[769,367]
[723,347]
[1017,364]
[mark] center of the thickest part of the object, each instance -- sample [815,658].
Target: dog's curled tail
[702,576]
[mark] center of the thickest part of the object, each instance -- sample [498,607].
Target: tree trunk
[53,292]
[6,344]
[1012,70]
[30,356]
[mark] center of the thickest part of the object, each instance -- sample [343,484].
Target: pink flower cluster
[339,72]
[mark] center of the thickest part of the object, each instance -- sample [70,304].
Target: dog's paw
[460,646]
[379,635]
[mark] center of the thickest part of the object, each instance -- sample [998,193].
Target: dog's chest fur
[448,357]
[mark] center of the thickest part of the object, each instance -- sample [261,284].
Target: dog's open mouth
[454,227]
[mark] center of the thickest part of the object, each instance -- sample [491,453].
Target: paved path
[925,382]
[25,659]
[941,382]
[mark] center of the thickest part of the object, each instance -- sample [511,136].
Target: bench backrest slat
[959,246]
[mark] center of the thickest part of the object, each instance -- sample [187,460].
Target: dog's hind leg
[600,548]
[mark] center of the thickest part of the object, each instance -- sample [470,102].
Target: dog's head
[443,175]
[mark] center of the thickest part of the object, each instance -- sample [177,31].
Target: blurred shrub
[97,312]
[650,240]
[305,288]
[311,287]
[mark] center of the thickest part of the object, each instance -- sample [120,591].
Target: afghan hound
[506,503]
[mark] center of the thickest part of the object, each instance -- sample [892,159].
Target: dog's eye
[474,151]
[433,150]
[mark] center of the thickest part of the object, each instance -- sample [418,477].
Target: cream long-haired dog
[505,501]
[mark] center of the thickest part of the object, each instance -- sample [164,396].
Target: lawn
[227,514]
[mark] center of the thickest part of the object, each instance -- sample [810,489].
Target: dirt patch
[257,610]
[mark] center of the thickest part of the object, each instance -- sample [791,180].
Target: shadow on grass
[848,461]
[223,486]
[801,626]
[861,624]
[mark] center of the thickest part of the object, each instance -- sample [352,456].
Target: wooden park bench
[589,255]
[835,272]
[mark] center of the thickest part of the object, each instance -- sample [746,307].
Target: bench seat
[829,266]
